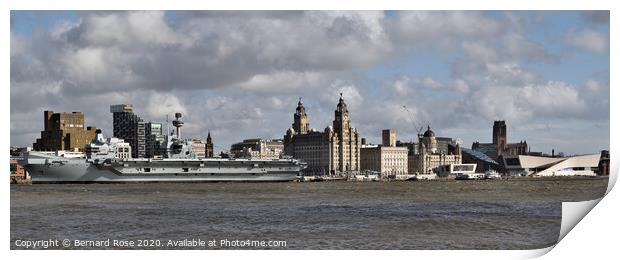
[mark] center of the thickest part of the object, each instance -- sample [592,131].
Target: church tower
[209,146]
[300,119]
[499,133]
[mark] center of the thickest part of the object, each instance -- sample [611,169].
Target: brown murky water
[514,214]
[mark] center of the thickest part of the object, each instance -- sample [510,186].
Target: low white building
[452,170]
[538,166]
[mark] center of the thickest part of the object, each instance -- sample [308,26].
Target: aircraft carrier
[109,160]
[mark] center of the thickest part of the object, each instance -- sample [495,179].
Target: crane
[416,126]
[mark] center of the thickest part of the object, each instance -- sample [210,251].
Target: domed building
[428,158]
[334,151]
[429,140]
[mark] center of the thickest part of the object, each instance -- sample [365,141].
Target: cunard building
[336,150]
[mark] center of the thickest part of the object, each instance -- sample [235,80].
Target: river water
[506,214]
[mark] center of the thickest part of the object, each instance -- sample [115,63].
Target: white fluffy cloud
[518,105]
[589,40]
[164,104]
[281,81]
[349,92]
[442,28]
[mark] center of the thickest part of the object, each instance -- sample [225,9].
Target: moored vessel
[109,160]
[469,176]
[492,174]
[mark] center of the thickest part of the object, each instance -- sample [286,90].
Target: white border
[594,236]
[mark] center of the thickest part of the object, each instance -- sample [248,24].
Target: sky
[239,74]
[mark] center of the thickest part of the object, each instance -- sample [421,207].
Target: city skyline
[545,73]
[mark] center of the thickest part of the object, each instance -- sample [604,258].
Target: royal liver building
[334,151]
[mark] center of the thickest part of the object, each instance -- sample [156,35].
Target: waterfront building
[388,137]
[539,166]
[370,157]
[202,148]
[258,148]
[445,145]
[603,165]
[500,146]
[388,159]
[63,131]
[129,127]
[336,150]
[412,148]
[17,170]
[199,147]
[482,161]
[428,157]
[155,140]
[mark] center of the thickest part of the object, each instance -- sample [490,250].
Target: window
[513,161]
[185,169]
[147,169]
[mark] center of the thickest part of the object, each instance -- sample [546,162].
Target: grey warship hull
[44,168]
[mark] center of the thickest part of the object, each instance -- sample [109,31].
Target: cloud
[429,83]
[460,86]
[164,104]
[596,16]
[239,74]
[281,81]
[553,98]
[349,92]
[518,105]
[482,64]
[589,40]
[129,30]
[406,84]
[107,51]
[400,85]
[517,47]
[442,27]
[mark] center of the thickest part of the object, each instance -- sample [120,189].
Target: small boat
[430,176]
[365,177]
[492,174]
[469,176]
